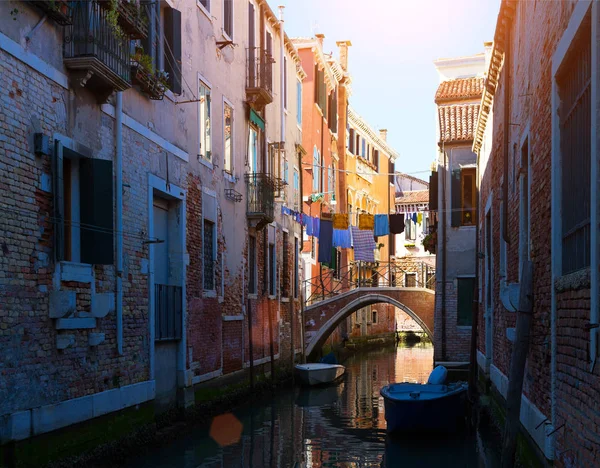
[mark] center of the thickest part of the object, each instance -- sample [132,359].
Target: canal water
[337,426]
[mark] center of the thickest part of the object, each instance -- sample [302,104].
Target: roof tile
[457,122]
[459,89]
[416,196]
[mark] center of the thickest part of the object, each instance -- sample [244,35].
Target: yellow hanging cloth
[366,222]
[419,218]
[341,221]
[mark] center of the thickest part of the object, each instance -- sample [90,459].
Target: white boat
[319,373]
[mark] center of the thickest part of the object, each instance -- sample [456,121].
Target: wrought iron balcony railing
[259,81]
[260,207]
[96,50]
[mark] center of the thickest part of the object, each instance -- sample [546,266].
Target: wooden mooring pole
[517,365]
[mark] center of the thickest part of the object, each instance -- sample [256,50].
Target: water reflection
[342,425]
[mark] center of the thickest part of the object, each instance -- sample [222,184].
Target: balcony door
[253,150]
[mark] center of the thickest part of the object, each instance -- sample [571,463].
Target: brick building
[458,100]
[538,201]
[143,210]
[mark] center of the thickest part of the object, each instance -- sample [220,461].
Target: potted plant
[430,242]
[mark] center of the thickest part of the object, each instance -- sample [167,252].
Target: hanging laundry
[341,238]
[325,241]
[310,226]
[366,222]
[382,225]
[305,219]
[397,223]
[341,221]
[316,226]
[419,218]
[364,245]
[414,217]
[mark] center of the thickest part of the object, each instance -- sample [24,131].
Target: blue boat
[425,407]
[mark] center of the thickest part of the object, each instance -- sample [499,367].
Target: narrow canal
[342,425]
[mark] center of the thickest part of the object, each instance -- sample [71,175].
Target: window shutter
[351,141]
[455,198]
[59,202]
[228,17]
[433,191]
[173,49]
[96,202]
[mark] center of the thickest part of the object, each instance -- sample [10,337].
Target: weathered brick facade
[560,382]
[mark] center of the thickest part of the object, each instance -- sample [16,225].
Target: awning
[257,120]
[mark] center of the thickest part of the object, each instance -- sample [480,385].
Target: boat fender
[438,376]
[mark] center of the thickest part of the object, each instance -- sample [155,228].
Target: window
[374,317]
[410,280]
[228,18]
[312,247]
[316,169]
[430,280]
[253,150]
[299,102]
[329,180]
[464,305]
[351,141]
[574,114]
[204,118]
[83,208]
[172,48]
[252,265]
[286,266]
[332,114]
[337,272]
[463,197]
[409,229]
[285,104]
[228,134]
[296,267]
[376,159]
[270,61]
[209,256]
[296,190]
[205,4]
[488,260]
[363,148]
[272,270]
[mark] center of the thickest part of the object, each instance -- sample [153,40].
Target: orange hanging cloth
[366,222]
[341,221]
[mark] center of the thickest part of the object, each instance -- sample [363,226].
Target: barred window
[285,280]
[209,255]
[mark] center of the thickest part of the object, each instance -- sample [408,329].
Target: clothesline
[307,164]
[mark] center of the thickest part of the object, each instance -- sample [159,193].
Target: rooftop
[459,89]
[458,122]
[416,196]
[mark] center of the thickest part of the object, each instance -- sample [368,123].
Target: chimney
[343,46]
[320,38]
[383,134]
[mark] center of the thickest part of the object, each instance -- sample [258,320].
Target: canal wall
[107,440]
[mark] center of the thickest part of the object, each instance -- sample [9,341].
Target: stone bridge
[321,318]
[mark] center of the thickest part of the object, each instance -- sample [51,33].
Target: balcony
[259,82]
[260,204]
[97,55]
[129,18]
[58,10]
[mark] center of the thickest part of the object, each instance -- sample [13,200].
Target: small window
[205,124]
[312,247]
[468,196]
[205,4]
[374,317]
[296,267]
[464,306]
[228,134]
[409,229]
[227,18]
[285,104]
[209,255]
[316,169]
[272,270]
[286,266]
[252,283]
[410,280]
[299,102]
[296,190]
[351,141]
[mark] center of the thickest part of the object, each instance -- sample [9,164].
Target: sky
[394,44]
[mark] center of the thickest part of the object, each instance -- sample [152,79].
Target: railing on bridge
[367,275]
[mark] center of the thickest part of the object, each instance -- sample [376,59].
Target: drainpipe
[444,228]
[119,216]
[506,124]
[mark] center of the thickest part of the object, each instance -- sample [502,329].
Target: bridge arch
[361,297]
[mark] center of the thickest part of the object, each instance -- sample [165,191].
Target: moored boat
[319,373]
[433,406]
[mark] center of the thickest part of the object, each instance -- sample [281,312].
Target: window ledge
[272,297]
[209,293]
[574,281]
[463,327]
[79,272]
[202,160]
[229,177]
[204,10]
[285,299]
[252,296]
